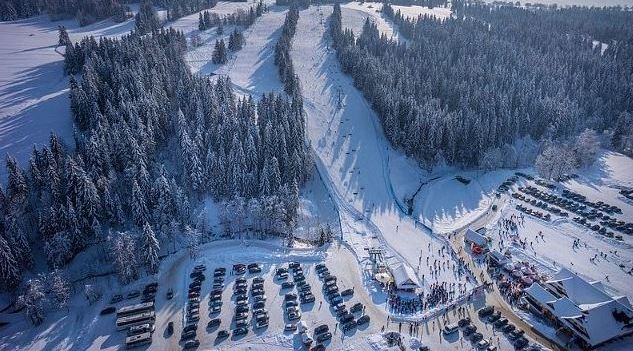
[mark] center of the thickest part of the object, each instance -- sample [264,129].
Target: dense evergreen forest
[90,11]
[151,141]
[494,79]
[85,11]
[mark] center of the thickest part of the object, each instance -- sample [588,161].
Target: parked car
[469,329]
[192,344]
[223,334]
[349,325]
[475,337]
[521,343]
[290,327]
[213,323]
[347,292]
[290,296]
[450,329]
[188,335]
[323,337]
[170,328]
[240,331]
[107,310]
[463,322]
[262,323]
[495,316]
[482,344]
[321,329]
[170,294]
[486,311]
[190,327]
[287,285]
[357,307]
[508,328]
[501,322]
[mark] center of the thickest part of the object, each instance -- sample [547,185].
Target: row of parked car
[587,211]
[515,335]
[336,299]
[535,213]
[192,316]
[599,205]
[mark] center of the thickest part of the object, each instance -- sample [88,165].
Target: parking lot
[265,304]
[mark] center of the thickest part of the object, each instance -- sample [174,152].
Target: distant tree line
[85,11]
[179,8]
[151,140]
[473,83]
[282,53]
[240,17]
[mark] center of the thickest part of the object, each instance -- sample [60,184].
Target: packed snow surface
[33,88]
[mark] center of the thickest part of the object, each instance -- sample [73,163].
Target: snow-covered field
[355,13]
[33,88]
[556,249]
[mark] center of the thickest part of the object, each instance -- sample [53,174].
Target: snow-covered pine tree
[150,248]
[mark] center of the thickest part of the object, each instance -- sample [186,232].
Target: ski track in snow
[352,154]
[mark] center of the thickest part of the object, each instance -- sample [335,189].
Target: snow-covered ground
[352,154]
[556,249]
[354,15]
[33,89]
[252,69]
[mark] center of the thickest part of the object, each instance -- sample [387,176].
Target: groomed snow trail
[351,153]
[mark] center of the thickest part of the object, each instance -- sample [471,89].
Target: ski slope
[352,154]
[252,69]
[354,15]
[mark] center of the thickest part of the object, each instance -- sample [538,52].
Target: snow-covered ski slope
[352,154]
[33,89]
[252,69]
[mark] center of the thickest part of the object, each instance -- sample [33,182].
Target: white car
[450,329]
[290,327]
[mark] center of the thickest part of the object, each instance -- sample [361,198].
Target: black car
[348,317]
[240,331]
[318,347]
[486,311]
[469,329]
[362,320]
[324,336]
[508,328]
[287,285]
[463,322]
[349,325]
[188,335]
[213,323]
[347,292]
[356,308]
[192,344]
[223,334]
[321,329]
[107,310]
[476,337]
[170,328]
[290,296]
[189,328]
[521,343]
[501,322]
